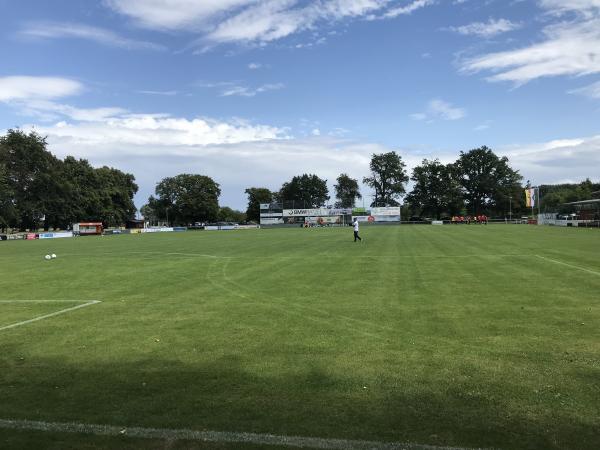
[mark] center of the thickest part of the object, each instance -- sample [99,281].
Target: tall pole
[532,200]
[510,208]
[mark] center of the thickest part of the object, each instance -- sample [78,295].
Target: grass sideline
[465,336]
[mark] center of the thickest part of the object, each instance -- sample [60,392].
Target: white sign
[265,206]
[363,218]
[271,221]
[386,218]
[305,212]
[324,220]
[271,214]
[62,234]
[386,211]
[340,211]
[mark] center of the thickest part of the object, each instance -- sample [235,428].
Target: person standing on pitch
[355,226]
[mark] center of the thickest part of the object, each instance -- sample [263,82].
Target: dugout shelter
[87,229]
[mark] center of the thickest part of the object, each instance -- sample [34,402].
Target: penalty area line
[46,316]
[214,436]
[569,265]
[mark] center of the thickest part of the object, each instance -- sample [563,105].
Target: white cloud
[34,96]
[583,7]
[592,91]
[557,160]
[153,133]
[252,20]
[53,30]
[486,29]
[244,91]
[439,109]
[21,88]
[267,21]
[419,116]
[408,9]
[568,48]
[50,110]
[175,14]
[254,66]
[166,93]
[236,154]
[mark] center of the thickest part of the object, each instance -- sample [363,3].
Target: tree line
[478,182]
[38,189]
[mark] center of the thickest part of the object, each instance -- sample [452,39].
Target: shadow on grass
[226,396]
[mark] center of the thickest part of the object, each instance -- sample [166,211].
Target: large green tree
[305,191]
[149,214]
[388,176]
[44,190]
[436,190]
[186,198]
[256,196]
[346,191]
[116,195]
[227,214]
[104,194]
[32,178]
[7,209]
[554,196]
[486,180]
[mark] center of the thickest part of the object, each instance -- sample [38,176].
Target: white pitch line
[321,255]
[569,265]
[47,316]
[214,436]
[48,301]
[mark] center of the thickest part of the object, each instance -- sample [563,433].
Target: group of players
[481,219]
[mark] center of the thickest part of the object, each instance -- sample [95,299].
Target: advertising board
[315,212]
[327,220]
[386,211]
[364,218]
[62,234]
[271,220]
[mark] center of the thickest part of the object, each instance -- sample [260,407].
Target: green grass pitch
[465,336]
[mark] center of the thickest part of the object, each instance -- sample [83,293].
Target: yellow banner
[530,197]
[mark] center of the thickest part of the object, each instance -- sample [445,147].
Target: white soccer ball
[47,257]
[53,256]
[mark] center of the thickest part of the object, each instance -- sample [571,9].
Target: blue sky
[252,92]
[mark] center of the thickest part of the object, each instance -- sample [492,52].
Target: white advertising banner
[363,218]
[324,220]
[305,212]
[271,220]
[386,218]
[274,214]
[386,211]
[61,234]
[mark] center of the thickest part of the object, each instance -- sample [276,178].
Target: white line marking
[569,265]
[46,316]
[214,436]
[48,301]
[285,257]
